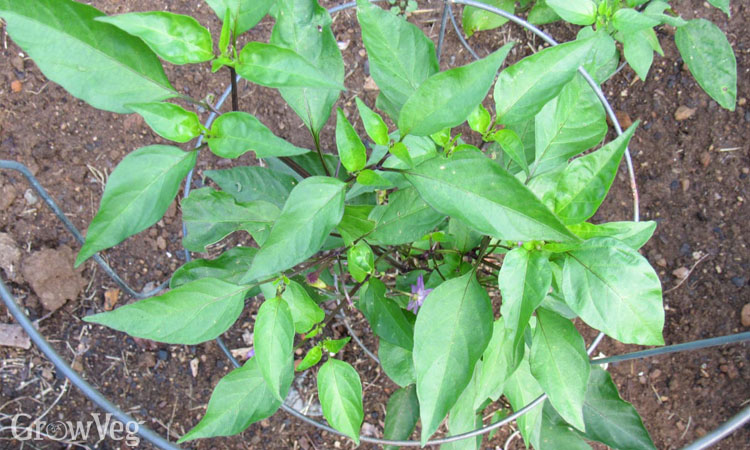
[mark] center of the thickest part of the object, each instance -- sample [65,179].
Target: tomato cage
[734,423]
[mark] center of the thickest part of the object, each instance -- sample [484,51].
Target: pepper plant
[408,224]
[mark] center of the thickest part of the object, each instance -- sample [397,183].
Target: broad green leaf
[634,234]
[542,14]
[305,312]
[360,261]
[463,237]
[605,57]
[236,133]
[350,147]
[512,146]
[137,195]
[94,61]
[586,181]
[226,31]
[340,392]
[480,120]
[229,267]
[610,419]
[386,318]
[273,340]
[373,123]
[334,346]
[168,120]
[559,362]
[314,208]
[710,59]
[524,280]
[486,197]
[401,57]
[355,223]
[452,330]
[614,289]
[250,183]
[578,12]
[498,364]
[475,19]
[520,390]
[397,363]
[190,314]
[406,218]
[628,20]
[305,27]
[722,5]
[572,122]
[638,52]
[240,399]
[176,38]
[655,9]
[525,87]
[245,14]
[556,434]
[401,151]
[210,216]
[278,67]
[311,358]
[369,177]
[401,415]
[446,99]
[464,417]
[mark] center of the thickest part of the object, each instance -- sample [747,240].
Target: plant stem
[235,99]
[294,166]
[316,139]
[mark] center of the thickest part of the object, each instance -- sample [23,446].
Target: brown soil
[692,177]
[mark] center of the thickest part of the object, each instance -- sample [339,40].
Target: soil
[693,178]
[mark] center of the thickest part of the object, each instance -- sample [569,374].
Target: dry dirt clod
[681,273]
[10,256]
[16,86]
[705,159]
[683,113]
[624,119]
[7,196]
[370,84]
[52,277]
[12,335]
[111,296]
[745,315]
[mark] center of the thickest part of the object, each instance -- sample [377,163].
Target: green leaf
[314,208]
[373,123]
[520,390]
[655,9]
[190,314]
[169,121]
[406,218]
[351,149]
[387,319]
[311,358]
[578,12]
[610,419]
[638,52]
[369,177]
[355,223]
[628,20]
[556,434]
[464,417]
[400,151]
[397,363]
[245,14]
[710,59]
[525,87]
[542,14]
[176,38]
[210,216]
[614,289]
[305,311]
[334,346]
[94,61]
[305,27]
[498,364]
[723,5]
[229,267]
[475,19]
[401,57]
[634,234]
[463,237]
[558,360]
[273,340]
[586,181]
[226,31]
[137,195]
[512,146]
[524,280]
[480,120]
[340,392]
[572,122]
[240,399]
[360,261]
[452,330]
[275,66]
[401,415]
[486,197]
[446,99]
[251,183]
[236,133]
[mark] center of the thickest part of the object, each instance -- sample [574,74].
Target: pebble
[745,315]
[7,196]
[16,86]
[738,281]
[30,197]
[683,113]
[681,273]
[705,159]
[624,119]
[685,249]
[163,355]
[17,63]
[370,84]
[685,184]
[161,243]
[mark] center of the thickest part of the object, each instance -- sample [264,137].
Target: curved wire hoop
[94,395]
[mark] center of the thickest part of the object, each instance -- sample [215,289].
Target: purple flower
[418,294]
[251,353]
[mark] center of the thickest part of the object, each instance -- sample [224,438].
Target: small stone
[111,297]
[683,113]
[162,354]
[742,101]
[705,159]
[7,196]
[661,262]
[12,335]
[265,423]
[10,255]
[194,366]
[738,281]
[343,45]
[624,119]
[362,53]
[17,63]
[655,374]
[52,276]
[685,184]
[681,273]
[685,249]
[161,243]
[370,84]
[147,360]
[745,315]
[30,197]
[16,86]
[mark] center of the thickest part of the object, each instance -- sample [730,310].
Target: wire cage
[154,438]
